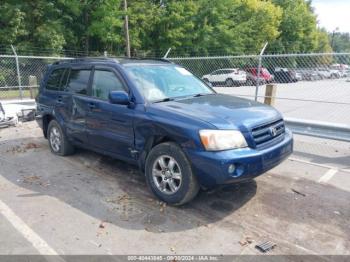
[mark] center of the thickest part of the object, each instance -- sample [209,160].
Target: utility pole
[126,26]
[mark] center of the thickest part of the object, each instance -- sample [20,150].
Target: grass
[12,94]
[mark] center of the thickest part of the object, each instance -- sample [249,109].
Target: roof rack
[105,59]
[151,58]
[85,59]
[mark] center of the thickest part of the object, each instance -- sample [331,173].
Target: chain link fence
[307,86]
[20,76]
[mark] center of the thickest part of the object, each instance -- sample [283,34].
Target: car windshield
[161,82]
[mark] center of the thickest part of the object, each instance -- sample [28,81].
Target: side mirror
[119,98]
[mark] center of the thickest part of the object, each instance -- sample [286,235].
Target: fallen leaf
[31,146]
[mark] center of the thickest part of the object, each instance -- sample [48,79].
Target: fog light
[231,168]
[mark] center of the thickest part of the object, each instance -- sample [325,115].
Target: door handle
[59,99]
[92,106]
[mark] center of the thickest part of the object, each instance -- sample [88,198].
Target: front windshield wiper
[202,94]
[167,99]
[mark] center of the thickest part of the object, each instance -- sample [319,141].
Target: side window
[78,81]
[54,81]
[64,79]
[104,82]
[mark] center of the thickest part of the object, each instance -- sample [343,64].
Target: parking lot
[91,204]
[297,100]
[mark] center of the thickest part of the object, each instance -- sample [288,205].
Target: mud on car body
[157,115]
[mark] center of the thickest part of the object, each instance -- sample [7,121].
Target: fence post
[270,94]
[167,53]
[18,73]
[32,82]
[259,70]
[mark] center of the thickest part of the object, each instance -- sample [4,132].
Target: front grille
[268,132]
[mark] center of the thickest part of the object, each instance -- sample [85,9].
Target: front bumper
[212,168]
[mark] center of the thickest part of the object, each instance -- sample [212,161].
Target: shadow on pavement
[111,190]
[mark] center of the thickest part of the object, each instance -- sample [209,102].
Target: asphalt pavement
[91,204]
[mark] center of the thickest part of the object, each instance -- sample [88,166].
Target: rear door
[110,126]
[49,96]
[76,103]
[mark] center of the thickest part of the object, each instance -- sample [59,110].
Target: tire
[167,165]
[58,141]
[229,82]
[249,82]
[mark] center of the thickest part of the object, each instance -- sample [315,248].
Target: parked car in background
[335,73]
[328,73]
[324,73]
[285,75]
[297,75]
[158,116]
[341,68]
[252,76]
[308,74]
[227,77]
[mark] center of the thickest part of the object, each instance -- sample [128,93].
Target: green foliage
[341,42]
[106,24]
[11,26]
[191,27]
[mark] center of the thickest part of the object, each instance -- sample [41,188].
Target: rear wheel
[229,82]
[169,174]
[250,82]
[58,141]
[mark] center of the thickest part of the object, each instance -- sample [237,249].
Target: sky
[333,14]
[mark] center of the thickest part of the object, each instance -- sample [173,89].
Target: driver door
[109,126]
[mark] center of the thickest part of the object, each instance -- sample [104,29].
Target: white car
[342,69]
[226,76]
[324,73]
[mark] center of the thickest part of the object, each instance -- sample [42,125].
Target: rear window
[54,81]
[78,81]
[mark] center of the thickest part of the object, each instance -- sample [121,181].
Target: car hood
[224,111]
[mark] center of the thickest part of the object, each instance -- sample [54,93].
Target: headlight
[217,140]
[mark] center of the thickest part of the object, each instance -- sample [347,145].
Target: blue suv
[157,115]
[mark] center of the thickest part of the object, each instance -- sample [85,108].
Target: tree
[298,28]
[11,26]
[341,42]
[189,27]
[107,24]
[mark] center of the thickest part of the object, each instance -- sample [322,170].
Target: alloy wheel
[167,174]
[55,139]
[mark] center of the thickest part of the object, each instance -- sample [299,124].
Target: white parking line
[328,176]
[317,164]
[38,243]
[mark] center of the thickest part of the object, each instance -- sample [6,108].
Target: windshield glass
[159,82]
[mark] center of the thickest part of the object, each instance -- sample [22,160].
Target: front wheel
[229,82]
[169,174]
